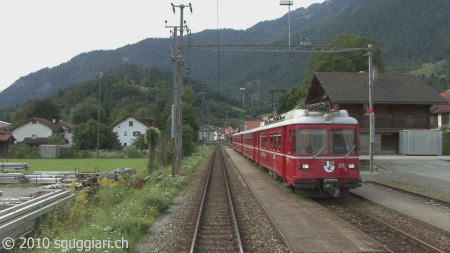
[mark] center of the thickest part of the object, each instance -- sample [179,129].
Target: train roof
[307,116]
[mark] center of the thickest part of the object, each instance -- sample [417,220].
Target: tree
[291,98]
[42,108]
[333,62]
[85,136]
[82,112]
[56,139]
[152,138]
[345,61]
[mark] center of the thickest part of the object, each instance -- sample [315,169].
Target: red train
[311,149]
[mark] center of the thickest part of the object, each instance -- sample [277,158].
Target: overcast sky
[45,33]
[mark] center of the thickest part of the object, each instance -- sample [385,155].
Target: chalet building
[207,133]
[401,102]
[6,140]
[440,113]
[36,131]
[130,127]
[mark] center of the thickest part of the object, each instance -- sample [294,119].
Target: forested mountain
[410,32]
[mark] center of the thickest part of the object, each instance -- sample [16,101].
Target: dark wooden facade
[401,102]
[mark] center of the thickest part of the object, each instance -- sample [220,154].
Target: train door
[289,150]
[255,146]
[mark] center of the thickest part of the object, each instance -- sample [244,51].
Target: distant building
[252,124]
[440,113]
[36,131]
[207,133]
[130,127]
[401,102]
[4,124]
[6,140]
[216,134]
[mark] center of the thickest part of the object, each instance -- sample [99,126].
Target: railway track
[216,228]
[409,194]
[394,239]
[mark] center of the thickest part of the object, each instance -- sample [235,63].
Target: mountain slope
[410,32]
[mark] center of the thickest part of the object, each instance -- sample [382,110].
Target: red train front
[313,150]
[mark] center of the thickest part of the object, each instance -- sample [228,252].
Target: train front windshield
[315,141]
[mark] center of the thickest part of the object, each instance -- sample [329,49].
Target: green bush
[67,153]
[446,143]
[19,151]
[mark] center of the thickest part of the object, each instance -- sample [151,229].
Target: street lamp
[242,89]
[288,3]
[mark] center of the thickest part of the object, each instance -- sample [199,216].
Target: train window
[342,141]
[293,141]
[265,141]
[271,140]
[279,140]
[312,141]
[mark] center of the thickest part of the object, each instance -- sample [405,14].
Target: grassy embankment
[118,209]
[82,165]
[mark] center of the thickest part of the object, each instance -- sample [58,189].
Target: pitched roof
[252,124]
[146,122]
[43,121]
[388,89]
[207,128]
[29,140]
[5,136]
[442,108]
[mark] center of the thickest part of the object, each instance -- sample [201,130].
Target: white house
[36,131]
[207,133]
[130,127]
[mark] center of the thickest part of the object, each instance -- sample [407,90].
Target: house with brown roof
[401,102]
[36,131]
[6,140]
[130,127]
[440,113]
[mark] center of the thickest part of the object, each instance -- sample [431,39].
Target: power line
[101,7]
[165,59]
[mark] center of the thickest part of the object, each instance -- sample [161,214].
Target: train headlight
[303,166]
[352,166]
[327,117]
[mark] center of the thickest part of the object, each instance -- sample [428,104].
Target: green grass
[118,209]
[82,165]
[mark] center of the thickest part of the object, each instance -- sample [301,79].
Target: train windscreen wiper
[319,151]
[351,150]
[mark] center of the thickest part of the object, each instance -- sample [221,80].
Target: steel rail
[197,225]
[422,244]
[230,200]
[420,195]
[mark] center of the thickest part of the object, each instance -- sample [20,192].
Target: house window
[34,122]
[125,133]
[136,133]
[130,123]
[33,136]
[125,144]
